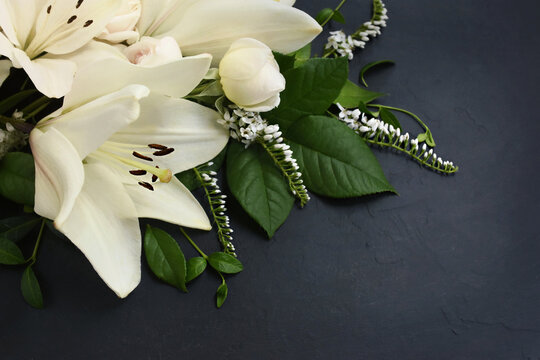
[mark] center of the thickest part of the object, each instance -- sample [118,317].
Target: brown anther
[154,178]
[146,185]
[88,23]
[49,8]
[157,146]
[138,172]
[140,156]
[79,4]
[72,19]
[164,152]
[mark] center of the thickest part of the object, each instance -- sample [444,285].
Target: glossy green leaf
[311,89]
[421,137]
[371,65]
[30,289]
[285,62]
[225,263]
[195,267]
[388,117]
[221,294]
[17,178]
[165,257]
[429,139]
[16,228]
[258,185]
[302,55]
[338,164]
[10,254]
[351,95]
[323,15]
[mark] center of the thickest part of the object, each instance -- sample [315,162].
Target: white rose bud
[122,27]
[250,76]
[151,52]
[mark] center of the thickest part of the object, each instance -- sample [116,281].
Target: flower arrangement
[115,110]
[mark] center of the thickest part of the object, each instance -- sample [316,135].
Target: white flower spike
[31,28]
[104,160]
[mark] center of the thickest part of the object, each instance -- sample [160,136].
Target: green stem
[402,111]
[193,244]
[333,12]
[33,258]
[38,104]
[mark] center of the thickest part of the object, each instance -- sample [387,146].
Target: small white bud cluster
[217,205]
[11,138]
[345,45]
[383,133]
[247,127]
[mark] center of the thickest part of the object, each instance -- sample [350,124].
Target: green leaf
[323,15]
[302,55]
[285,62]
[17,178]
[311,89]
[370,66]
[429,139]
[189,178]
[421,137]
[10,254]
[388,117]
[30,289]
[16,228]
[225,263]
[338,17]
[351,95]
[338,164]
[12,101]
[195,267]
[258,185]
[221,294]
[165,257]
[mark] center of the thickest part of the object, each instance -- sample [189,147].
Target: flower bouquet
[115,110]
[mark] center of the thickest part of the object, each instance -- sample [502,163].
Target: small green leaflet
[302,55]
[388,117]
[221,294]
[351,95]
[311,89]
[258,185]
[338,164]
[372,65]
[30,289]
[326,13]
[225,263]
[17,178]
[165,257]
[195,267]
[16,228]
[10,254]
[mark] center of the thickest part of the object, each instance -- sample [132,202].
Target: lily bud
[153,52]
[122,27]
[250,76]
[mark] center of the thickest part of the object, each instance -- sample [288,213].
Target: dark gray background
[450,269]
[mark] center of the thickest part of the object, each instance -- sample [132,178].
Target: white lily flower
[287,2]
[108,157]
[211,26]
[31,28]
[5,66]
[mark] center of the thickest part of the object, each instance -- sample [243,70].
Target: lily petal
[191,129]
[18,17]
[53,78]
[175,79]
[5,66]
[104,226]
[171,202]
[59,174]
[87,127]
[213,25]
